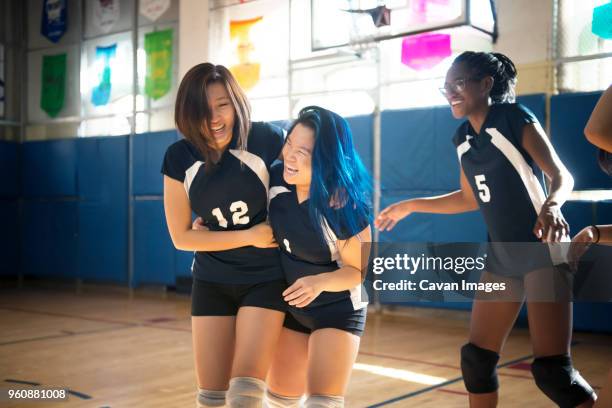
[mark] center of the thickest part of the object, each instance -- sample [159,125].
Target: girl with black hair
[498,147]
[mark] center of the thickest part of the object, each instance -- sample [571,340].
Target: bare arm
[550,224]
[178,217]
[350,274]
[605,234]
[306,289]
[537,144]
[598,129]
[459,201]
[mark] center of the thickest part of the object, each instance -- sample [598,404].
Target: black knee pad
[478,366]
[560,381]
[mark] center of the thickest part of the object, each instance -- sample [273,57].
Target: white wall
[193,34]
[525,30]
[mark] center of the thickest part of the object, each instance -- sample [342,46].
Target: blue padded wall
[49,238]
[362,130]
[49,230]
[570,113]
[9,170]
[149,150]
[9,208]
[154,253]
[9,237]
[155,258]
[49,168]
[102,211]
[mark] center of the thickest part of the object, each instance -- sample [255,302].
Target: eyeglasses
[457,86]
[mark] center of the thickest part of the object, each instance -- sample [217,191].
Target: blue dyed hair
[341,188]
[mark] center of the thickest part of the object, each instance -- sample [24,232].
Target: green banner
[53,84]
[158,46]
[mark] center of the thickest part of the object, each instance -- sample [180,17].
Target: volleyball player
[498,146]
[320,213]
[220,171]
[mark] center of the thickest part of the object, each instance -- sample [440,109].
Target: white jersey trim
[190,174]
[256,164]
[276,190]
[462,149]
[525,172]
[558,252]
[332,242]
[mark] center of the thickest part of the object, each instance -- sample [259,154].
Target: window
[584,60]
[99,70]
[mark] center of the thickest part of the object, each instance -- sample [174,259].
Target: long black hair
[493,64]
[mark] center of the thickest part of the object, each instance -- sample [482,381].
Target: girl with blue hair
[320,214]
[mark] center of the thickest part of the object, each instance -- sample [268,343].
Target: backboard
[338,23]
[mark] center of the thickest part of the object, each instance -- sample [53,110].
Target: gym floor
[113,348]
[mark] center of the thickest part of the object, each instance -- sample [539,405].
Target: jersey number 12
[483,189]
[238,209]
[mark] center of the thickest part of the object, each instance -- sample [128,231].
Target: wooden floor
[116,350]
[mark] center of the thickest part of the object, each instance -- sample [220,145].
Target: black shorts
[224,299]
[338,315]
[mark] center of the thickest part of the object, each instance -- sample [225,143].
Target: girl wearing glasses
[498,147]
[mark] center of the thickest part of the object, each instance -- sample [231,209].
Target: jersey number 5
[238,209]
[483,189]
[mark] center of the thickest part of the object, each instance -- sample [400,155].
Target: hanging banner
[53,84]
[54,19]
[425,51]
[158,46]
[105,14]
[602,21]
[154,9]
[100,94]
[247,69]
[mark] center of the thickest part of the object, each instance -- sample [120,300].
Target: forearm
[605,234]
[202,240]
[451,203]
[561,186]
[345,278]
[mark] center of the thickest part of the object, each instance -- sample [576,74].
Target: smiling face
[464,93]
[297,156]
[222,116]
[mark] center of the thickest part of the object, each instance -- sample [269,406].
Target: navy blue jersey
[304,250]
[501,173]
[231,196]
[508,188]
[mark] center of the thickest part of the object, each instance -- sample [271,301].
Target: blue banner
[100,95]
[602,21]
[54,19]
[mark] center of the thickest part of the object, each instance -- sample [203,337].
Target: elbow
[179,242]
[358,278]
[570,181]
[567,179]
[594,135]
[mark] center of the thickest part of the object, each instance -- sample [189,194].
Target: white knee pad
[273,400]
[210,398]
[324,401]
[245,392]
